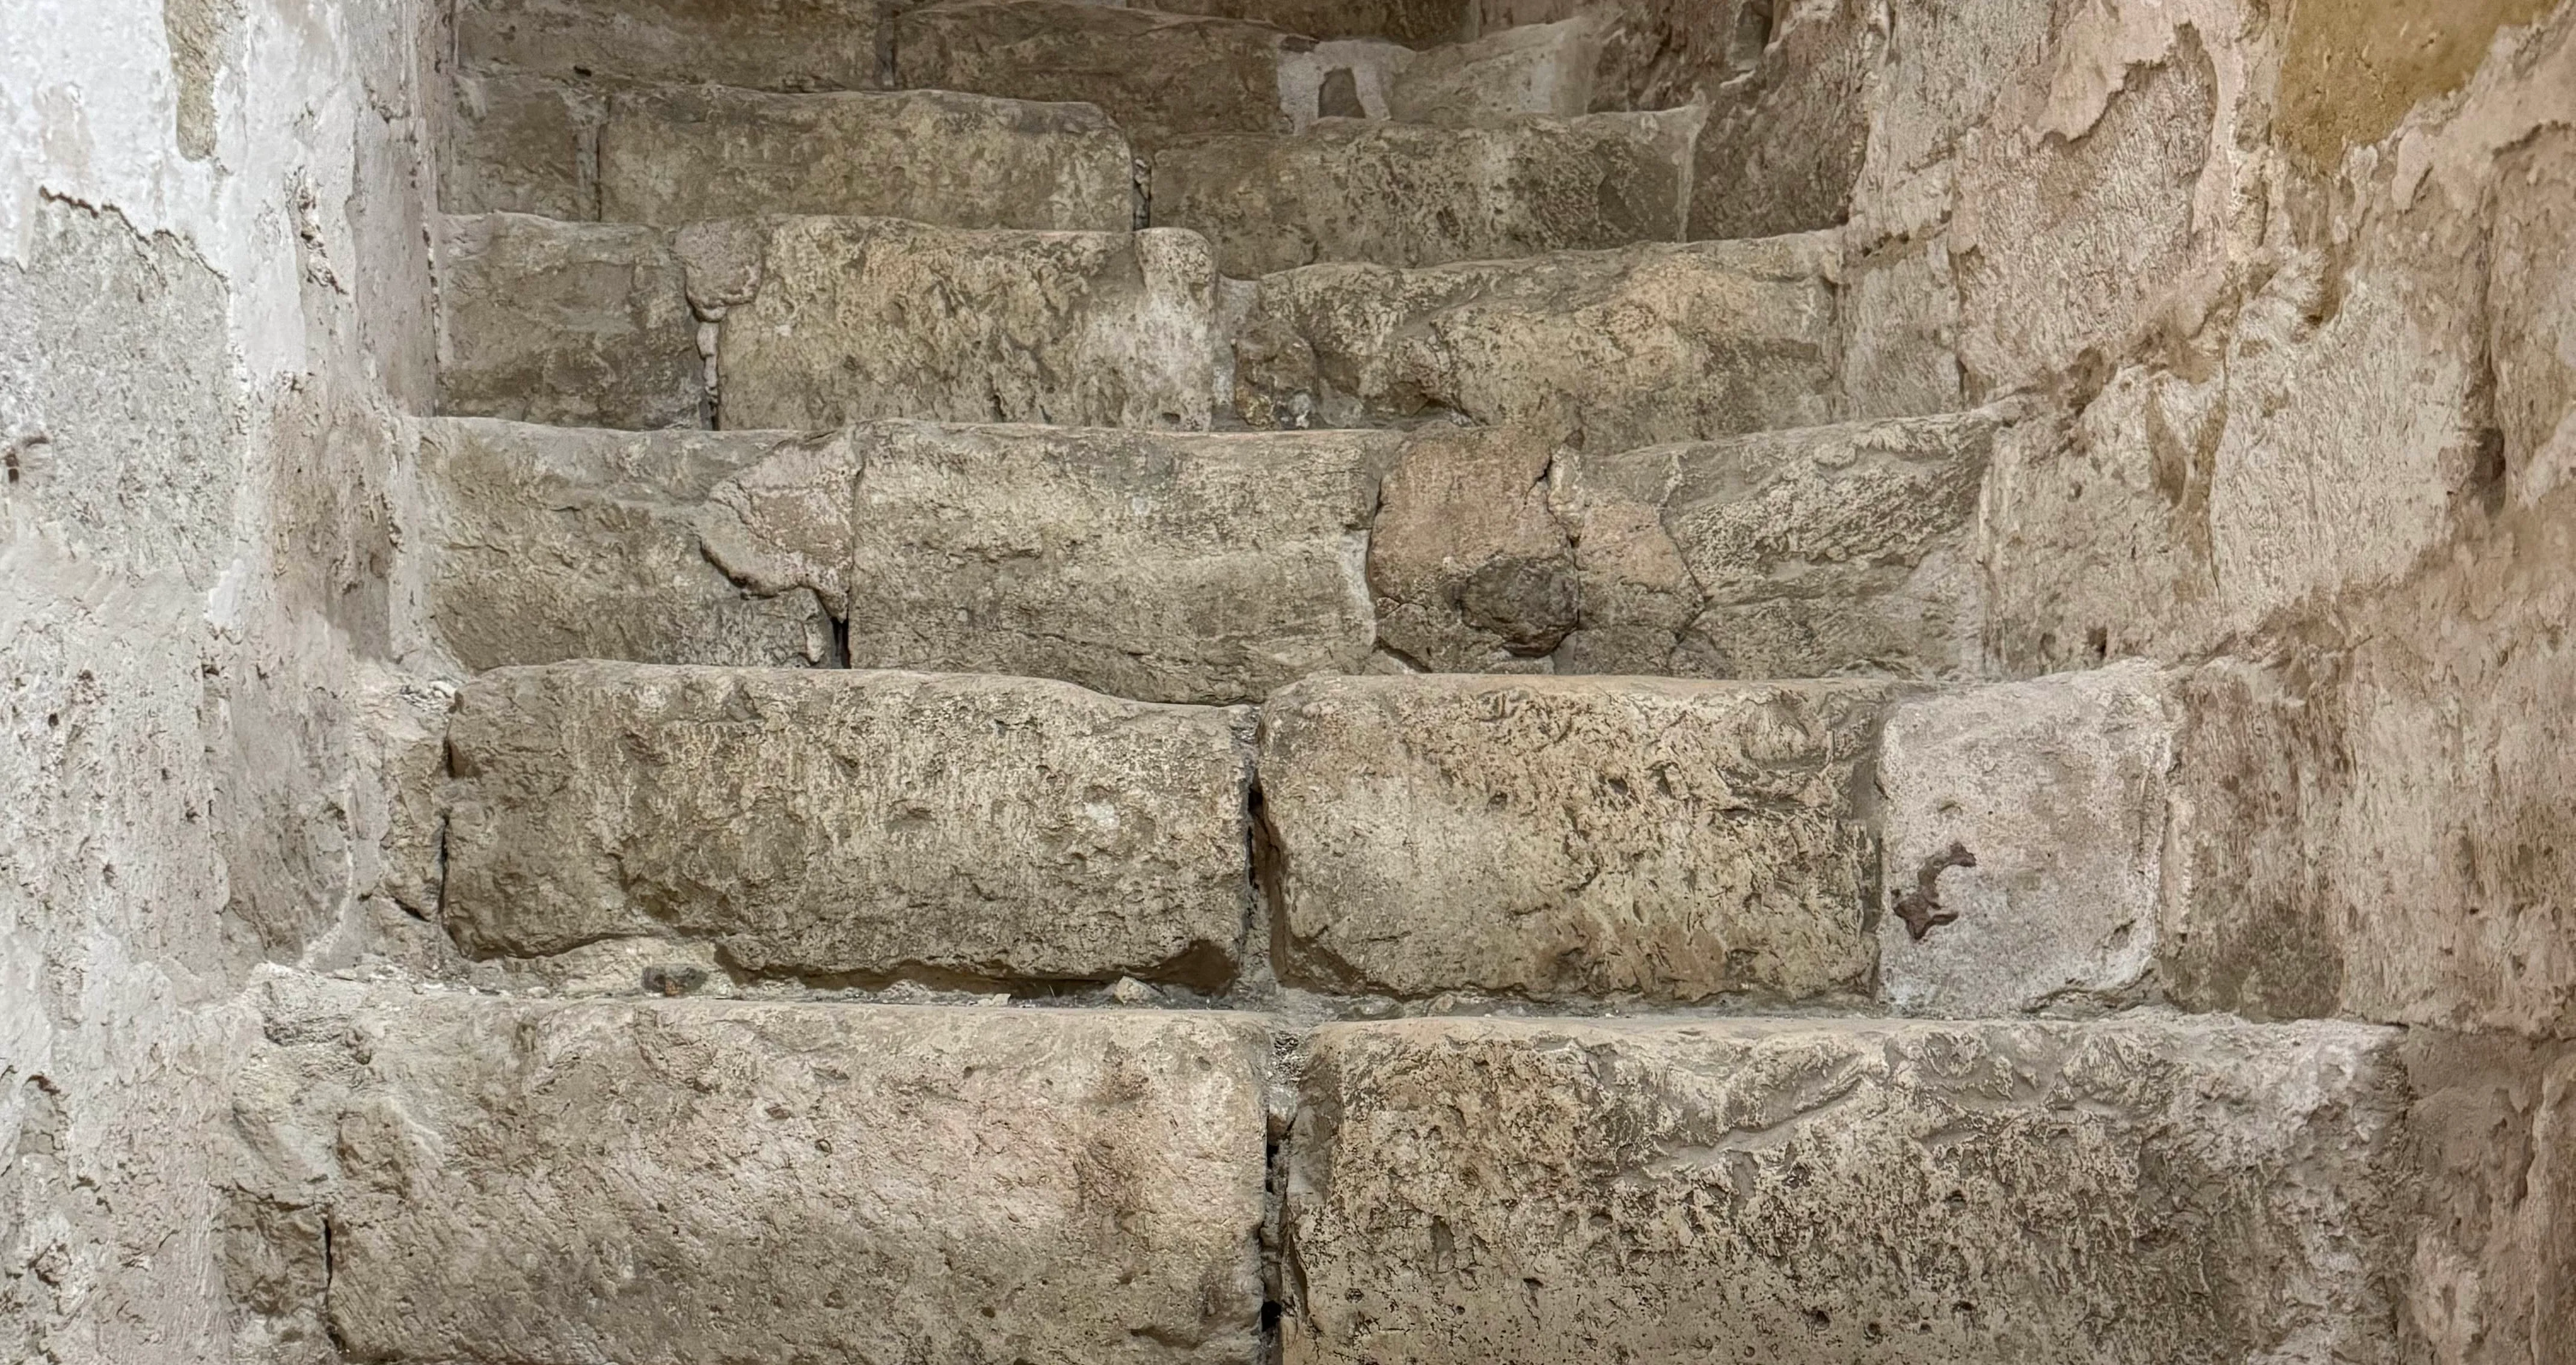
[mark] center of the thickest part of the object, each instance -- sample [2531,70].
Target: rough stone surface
[755,44]
[1157,76]
[2025,828]
[1540,1191]
[1534,69]
[828,822]
[675,1181]
[1614,348]
[518,143]
[854,319]
[1417,22]
[573,324]
[542,544]
[1169,568]
[1551,837]
[1401,194]
[1797,553]
[1471,572]
[677,155]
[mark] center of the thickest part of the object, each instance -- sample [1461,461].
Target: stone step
[1605,349]
[1508,1191]
[1417,22]
[697,1180]
[766,45]
[1415,195]
[677,154]
[835,823]
[1556,838]
[813,322]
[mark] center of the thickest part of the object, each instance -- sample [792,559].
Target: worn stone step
[677,154]
[667,1181]
[760,45]
[815,321]
[1414,195]
[1416,22]
[1493,1192]
[1556,838]
[1606,349]
[822,822]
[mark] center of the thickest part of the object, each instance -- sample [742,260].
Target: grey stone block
[572,324]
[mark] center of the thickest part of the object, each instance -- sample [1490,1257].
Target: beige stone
[967,161]
[686,1180]
[829,822]
[1612,348]
[1401,194]
[1495,1191]
[1533,69]
[854,319]
[1157,76]
[1171,568]
[1419,22]
[1471,572]
[755,44]
[545,543]
[1556,837]
[521,144]
[573,324]
[2025,829]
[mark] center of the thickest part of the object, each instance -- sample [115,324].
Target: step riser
[773,45]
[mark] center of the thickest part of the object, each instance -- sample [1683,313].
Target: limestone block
[669,1182]
[1418,22]
[1534,69]
[1471,572]
[854,319]
[521,144]
[546,543]
[1556,837]
[1402,194]
[1157,76]
[1501,1191]
[572,324]
[1615,348]
[755,44]
[2025,842]
[1205,568]
[675,155]
[1797,553]
[822,821]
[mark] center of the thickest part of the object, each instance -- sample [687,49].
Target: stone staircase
[1137,686]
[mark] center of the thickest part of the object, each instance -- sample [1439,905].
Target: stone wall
[215,290]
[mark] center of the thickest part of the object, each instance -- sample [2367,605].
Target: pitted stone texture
[755,44]
[1157,76]
[830,822]
[1615,348]
[1499,1192]
[969,161]
[1471,572]
[2058,789]
[1555,837]
[547,543]
[571,324]
[517,143]
[1534,69]
[1401,194]
[680,1181]
[855,319]
[1166,567]
[1799,553]
[1418,22]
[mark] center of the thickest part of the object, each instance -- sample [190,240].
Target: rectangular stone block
[540,544]
[1609,349]
[1816,1192]
[755,44]
[676,155]
[1417,22]
[1532,69]
[517,143]
[675,1182]
[831,822]
[854,319]
[570,324]
[1402,194]
[1556,837]
[1157,76]
[1200,568]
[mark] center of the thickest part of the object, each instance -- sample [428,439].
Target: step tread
[771,45]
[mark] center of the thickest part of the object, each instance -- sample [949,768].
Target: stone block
[1202,568]
[755,44]
[1555,837]
[1533,69]
[540,544]
[1615,349]
[1418,22]
[1157,76]
[521,144]
[1403,194]
[669,1182]
[676,155]
[1471,572]
[824,822]
[570,324]
[1813,1191]
[2025,842]
[854,319]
